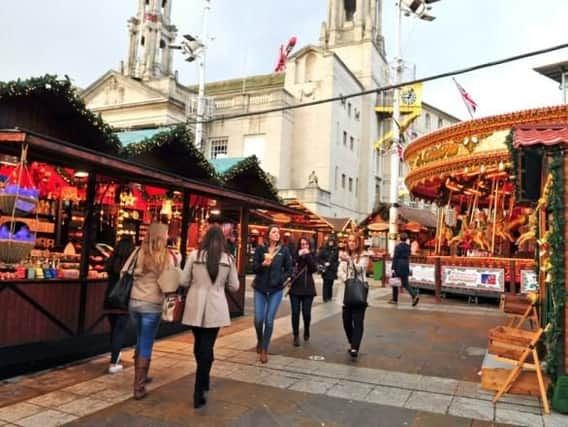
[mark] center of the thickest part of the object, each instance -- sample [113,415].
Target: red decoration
[284,53]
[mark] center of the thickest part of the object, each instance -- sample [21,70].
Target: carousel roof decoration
[465,159]
[54,101]
[247,176]
[176,143]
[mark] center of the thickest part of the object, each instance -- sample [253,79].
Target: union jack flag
[470,104]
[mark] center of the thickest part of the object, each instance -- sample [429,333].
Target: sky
[86,38]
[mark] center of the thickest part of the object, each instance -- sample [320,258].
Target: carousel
[486,230]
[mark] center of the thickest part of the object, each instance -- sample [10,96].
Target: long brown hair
[214,244]
[357,252]
[154,250]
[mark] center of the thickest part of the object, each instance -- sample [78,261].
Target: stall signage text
[529,281]
[492,279]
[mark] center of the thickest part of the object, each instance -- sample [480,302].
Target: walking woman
[353,263]
[302,289]
[272,265]
[401,269]
[155,275]
[207,272]
[328,258]
[117,318]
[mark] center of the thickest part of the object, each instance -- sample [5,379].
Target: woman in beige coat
[207,272]
[155,275]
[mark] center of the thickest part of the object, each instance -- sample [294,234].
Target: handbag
[174,304]
[172,308]
[288,282]
[356,291]
[395,282]
[119,295]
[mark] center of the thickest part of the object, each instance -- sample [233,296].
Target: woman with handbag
[353,266]
[272,264]
[155,276]
[207,272]
[328,258]
[401,269]
[117,317]
[302,289]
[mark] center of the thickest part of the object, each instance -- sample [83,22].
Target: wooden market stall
[79,192]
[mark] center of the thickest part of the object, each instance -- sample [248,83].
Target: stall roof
[173,150]
[309,218]
[553,71]
[341,224]
[422,216]
[222,165]
[549,135]
[247,174]
[51,106]
[133,136]
[47,149]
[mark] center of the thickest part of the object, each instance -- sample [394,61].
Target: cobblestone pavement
[417,367]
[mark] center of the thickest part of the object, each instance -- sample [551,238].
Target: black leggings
[305,302]
[204,341]
[118,324]
[353,318]
[327,293]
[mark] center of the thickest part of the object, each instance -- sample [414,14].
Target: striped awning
[549,135]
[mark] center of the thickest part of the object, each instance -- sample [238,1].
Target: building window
[342,99]
[427,123]
[219,147]
[350,9]
[440,123]
[351,143]
[350,184]
[344,138]
[342,180]
[349,109]
[356,187]
[336,176]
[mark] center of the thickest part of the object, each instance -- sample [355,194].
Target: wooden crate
[526,384]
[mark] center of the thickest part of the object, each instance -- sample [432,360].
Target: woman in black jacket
[302,289]
[329,260]
[118,319]
[401,269]
[272,265]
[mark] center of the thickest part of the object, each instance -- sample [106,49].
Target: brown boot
[141,365]
[148,379]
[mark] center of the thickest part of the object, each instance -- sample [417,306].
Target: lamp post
[195,48]
[417,8]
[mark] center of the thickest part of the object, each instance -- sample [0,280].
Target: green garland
[50,85]
[181,134]
[251,164]
[513,154]
[554,338]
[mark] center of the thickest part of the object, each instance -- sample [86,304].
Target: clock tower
[150,34]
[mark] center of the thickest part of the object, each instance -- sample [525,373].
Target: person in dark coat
[401,269]
[118,319]
[329,260]
[272,264]
[302,289]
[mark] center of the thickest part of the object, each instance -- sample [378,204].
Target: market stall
[70,191]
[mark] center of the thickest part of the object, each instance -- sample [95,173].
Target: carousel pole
[494,219]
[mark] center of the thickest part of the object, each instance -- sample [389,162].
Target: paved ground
[418,367]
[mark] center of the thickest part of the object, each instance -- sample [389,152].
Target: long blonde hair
[154,250]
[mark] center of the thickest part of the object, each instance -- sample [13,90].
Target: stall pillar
[512,277]
[438,276]
[185,222]
[565,265]
[86,248]
[237,302]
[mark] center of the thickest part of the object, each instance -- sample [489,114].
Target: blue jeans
[146,329]
[265,308]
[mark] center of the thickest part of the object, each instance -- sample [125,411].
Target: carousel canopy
[525,136]
[48,105]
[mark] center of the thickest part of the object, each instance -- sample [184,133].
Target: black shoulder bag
[119,295]
[356,290]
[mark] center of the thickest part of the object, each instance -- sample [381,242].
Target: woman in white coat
[207,272]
